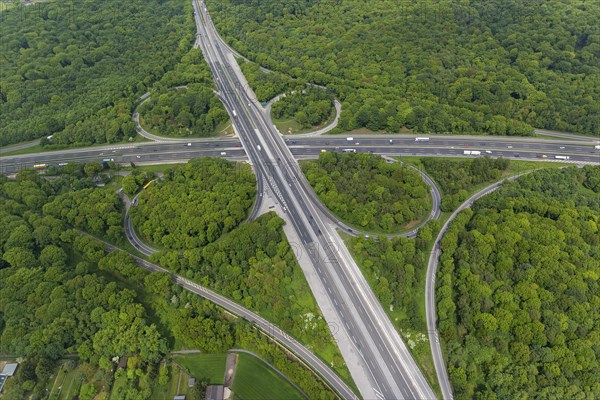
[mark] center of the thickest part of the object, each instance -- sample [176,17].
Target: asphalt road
[308,147]
[265,326]
[388,366]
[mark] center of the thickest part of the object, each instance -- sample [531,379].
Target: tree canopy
[191,111]
[195,203]
[495,67]
[518,289]
[366,191]
[76,69]
[455,177]
[308,107]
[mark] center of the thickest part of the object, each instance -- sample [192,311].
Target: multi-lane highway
[379,362]
[520,148]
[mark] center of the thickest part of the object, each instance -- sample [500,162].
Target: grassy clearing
[211,366]
[256,380]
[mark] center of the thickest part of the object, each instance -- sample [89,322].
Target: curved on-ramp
[430,305]
[434,214]
[279,335]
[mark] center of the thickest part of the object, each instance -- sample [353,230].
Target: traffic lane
[141,148]
[476,144]
[13,166]
[421,151]
[301,227]
[351,328]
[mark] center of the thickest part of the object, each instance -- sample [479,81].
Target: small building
[9,369]
[214,392]
[191,382]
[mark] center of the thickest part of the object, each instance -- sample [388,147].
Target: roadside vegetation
[75,70]
[367,192]
[194,111]
[308,107]
[517,288]
[267,85]
[499,67]
[62,294]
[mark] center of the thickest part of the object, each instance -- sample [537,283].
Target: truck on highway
[349,150]
[422,139]
[597,147]
[108,160]
[562,157]
[258,147]
[234,113]
[40,166]
[223,153]
[350,139]
[472,152]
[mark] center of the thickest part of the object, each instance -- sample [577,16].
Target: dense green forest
[518,289]
[366,191]
[495,67]
[255,266]
[192,111]
[194,204]
[308,107]
[60,293]
[76,69]
[454,177]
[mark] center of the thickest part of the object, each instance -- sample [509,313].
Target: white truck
[472,152]
[349,150]
[597,147]
[422,139]
[562,157]
[350,139]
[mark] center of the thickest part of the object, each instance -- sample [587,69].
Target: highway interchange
[379,362]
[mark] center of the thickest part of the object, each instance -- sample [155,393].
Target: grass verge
[199,365]
[256,380]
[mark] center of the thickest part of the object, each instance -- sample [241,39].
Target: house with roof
[7,371]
